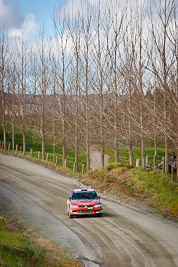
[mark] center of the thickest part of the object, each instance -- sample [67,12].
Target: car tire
[70,216]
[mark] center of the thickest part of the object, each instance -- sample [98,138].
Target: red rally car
[84,202]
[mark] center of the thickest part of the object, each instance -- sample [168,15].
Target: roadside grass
[156,188]
[20,247]
[153,187]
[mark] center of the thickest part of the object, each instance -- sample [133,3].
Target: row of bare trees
[107,76]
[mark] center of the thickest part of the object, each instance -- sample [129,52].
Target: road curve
[126,235]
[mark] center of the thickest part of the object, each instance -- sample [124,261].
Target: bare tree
[141,105]
[40,73]
[60,25]
[99,55]
[114,36]
[12,100]
[86,31]
[162,60]
[43,85]
[3,65]
[22,55]
[75,35]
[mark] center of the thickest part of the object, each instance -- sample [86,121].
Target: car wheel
[70,216]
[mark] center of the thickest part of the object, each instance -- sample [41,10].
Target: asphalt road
[126,235]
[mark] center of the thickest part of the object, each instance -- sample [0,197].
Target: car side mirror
[98,197]
[70,198]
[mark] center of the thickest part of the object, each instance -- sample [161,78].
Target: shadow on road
[105,215]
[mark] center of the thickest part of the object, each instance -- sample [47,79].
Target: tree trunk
[116,150]
[76,115]
[143,152]
[13,145]
[24,142]
[87,132]
[101,131]
[141,101]
[43,148]
[130,152]
[87,110]
[53,153]
[102,153]
[166,154]
[116,104]
[155,145]
[64,112]
[63,151]
[4,138]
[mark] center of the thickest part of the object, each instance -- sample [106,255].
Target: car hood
[85,201]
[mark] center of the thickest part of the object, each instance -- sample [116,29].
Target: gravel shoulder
[128,234]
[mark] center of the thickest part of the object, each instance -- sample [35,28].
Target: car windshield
[84,195]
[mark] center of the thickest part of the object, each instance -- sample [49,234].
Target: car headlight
[98,206]
[74,206]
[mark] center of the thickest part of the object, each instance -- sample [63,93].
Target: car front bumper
[85,211]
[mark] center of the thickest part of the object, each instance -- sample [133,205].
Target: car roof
[83,190]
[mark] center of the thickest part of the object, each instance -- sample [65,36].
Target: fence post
[83,167]
[2,146]
[146,160]
[31,153]
[38,154]
[56,160]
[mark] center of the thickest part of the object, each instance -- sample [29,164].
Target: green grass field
[34,143]
[19,246]
[124,154]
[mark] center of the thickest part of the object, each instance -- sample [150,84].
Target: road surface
[127,234]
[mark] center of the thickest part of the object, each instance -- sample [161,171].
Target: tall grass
[23,248]
[158,187]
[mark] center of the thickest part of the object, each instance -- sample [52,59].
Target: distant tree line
[109,76]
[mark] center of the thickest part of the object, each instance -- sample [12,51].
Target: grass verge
[20,247]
